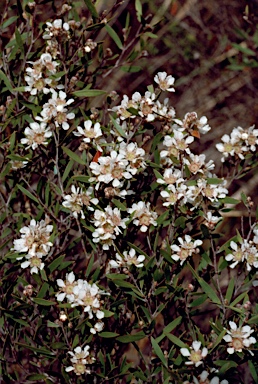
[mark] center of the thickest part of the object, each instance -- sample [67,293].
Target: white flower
[66,288]
[80,358]
[142,215]
[203,379]
[187,248]
[34,262]
[89,132]
[55,29]
[246,252]
[128,259]
[174,193]
[133,154]
[239,338]
[171,176]
[34,239]
[164,81]
[36,135]
[210,220]
[195,354]
[79,198]
[56,109]
[113,168]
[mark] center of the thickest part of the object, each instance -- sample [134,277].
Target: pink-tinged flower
[195,354]
[142,215]
[164,81]
[186,248]
[36,135]
[211,221]
[239,338]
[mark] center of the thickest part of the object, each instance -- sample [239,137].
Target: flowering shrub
[111,237]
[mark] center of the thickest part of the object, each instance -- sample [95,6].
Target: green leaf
[27,193]
[239,298]
[218,339]
[86,92]
[36,376]
[116,276]
[83,179]
[43,302]
[119,205]
[107,313]
[108,335]
[41,351]
[114,36]
[131,69]
[230,290]
[50,324]
[118,127]
[67,170]
[242,48]
[19,41]
[206,287]
[129,338]
[229,200]
[159,352]
[198,301]
[9,21]
[138,8]
[6,81]
[91,8]
[73,156]
[253,371]
[176,340]
[55,263]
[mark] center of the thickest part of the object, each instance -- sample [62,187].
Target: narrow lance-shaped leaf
[159,352]
[114,36]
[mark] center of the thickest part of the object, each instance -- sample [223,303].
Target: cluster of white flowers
[195,354]
[143,216]
[37,134]
[187,248]
[127,259]
[78,199]
[80,359]
[55,33]
[239,338]
[38,76]
[109,225]
[239,143]
[203,378]
[81,293]
[147,106]
[35,243]
[247,251]
[55,110]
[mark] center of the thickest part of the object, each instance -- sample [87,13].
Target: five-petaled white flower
[239,338]
[164,81]
[194,353]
